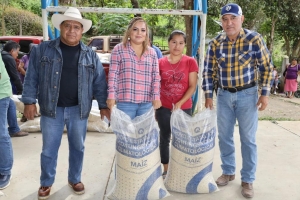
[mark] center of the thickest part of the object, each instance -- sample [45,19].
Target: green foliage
[33,6]
[92,16]
[250,11]
[112,24]
[212,27]
[30,23]
[161,25]
[167,24]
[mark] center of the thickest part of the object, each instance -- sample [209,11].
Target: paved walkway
[277,174]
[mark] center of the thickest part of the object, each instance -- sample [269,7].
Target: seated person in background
[9,54]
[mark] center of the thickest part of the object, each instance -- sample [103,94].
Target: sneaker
[44,192]
[19,134]
[4,181]
[275,92]
[164,174]
[78,188]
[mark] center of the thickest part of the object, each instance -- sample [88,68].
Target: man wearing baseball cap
[64,75]
[233,57]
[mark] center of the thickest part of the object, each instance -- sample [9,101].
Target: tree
[3,6]
[113,24]
[288,27]
[272,11]
[188,5]
[135,4]
[30,24]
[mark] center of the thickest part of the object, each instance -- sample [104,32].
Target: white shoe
[274,92]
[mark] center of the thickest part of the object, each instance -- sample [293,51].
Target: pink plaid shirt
[131,79]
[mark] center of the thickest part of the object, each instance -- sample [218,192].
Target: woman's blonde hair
[129,29]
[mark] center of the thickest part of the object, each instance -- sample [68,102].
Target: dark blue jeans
[163,117]
[12,121]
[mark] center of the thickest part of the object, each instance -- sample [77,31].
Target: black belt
[239,88]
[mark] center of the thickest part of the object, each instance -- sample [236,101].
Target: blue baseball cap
[231,9]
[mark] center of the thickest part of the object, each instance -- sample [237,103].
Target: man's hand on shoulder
[262,102]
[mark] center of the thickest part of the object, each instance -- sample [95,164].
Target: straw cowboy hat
[71,14]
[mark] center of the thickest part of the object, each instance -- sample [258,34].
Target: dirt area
[281,108]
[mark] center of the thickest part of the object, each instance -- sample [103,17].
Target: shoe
[247,190]
[78,188]
[274,92]
[224,179]
[23,119]
[44,192]
[164,174]
[19,134]
[4,181]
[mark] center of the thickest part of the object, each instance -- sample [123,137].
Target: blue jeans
[13,87]
[272,83]
[52,130]
[13,126]
[241,106]
[6,151]
[134,109]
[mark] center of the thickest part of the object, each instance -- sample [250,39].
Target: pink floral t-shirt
[175,80]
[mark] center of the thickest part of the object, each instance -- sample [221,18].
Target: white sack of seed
[138,168]
[192,153]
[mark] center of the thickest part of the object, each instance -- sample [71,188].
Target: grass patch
[275,119]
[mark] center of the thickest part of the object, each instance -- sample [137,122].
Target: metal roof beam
[127,10]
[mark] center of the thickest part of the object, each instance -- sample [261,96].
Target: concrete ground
[277,174]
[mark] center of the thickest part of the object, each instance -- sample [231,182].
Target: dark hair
[294,59]
[177,32]
[11,45]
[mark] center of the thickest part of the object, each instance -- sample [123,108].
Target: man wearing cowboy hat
[64,75]
[233,57]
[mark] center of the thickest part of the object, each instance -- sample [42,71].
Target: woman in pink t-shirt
[178,83]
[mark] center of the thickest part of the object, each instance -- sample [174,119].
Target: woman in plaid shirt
[133,79]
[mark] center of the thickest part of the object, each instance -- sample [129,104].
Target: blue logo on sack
[197,130]
[141,131]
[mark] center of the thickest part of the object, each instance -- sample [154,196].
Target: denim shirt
[42,80]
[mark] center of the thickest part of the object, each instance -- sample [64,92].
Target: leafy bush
[112,24]
[17,20]
[33,6]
